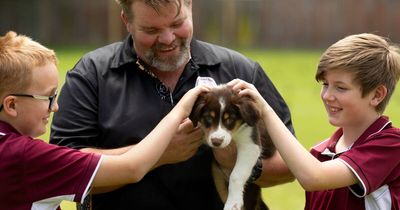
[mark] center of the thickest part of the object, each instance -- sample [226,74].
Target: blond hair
[19,54]
[373,60]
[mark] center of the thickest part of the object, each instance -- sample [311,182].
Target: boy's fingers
[233,82]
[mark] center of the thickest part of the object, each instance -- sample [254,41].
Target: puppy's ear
[247,109]
[197,109]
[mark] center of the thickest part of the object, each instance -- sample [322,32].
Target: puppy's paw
[233,206]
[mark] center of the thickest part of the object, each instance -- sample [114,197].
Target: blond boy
[37,175]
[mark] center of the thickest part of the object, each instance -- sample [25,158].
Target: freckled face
[162,39]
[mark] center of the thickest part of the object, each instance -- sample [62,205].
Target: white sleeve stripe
[359,179]
[87,190]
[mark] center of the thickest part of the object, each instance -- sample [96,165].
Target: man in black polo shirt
[115,95]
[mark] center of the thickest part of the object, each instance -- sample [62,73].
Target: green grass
[292,71]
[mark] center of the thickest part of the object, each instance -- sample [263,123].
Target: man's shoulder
[101,60]
[104,53]
[213,52]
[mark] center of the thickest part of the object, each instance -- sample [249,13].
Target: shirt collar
[6,128]
[201,54]
[379,124]
[125,54]
[328,146]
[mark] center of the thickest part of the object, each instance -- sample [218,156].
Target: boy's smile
[343,100]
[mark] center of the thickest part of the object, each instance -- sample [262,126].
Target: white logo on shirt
[207,81]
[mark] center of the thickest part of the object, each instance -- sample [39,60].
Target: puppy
[226,117]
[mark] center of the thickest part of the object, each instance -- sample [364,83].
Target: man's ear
[125,20]
[9,106]
[380,93]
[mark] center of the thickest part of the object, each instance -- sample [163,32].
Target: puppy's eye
[229,120]
[207,120]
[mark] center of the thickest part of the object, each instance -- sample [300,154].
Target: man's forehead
[148,16]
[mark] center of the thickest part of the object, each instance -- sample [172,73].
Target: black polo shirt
[108,102]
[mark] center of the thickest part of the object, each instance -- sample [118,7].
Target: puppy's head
[220,113]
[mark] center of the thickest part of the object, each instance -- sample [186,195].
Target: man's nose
[167,37]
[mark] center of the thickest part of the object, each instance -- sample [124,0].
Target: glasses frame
[52,98]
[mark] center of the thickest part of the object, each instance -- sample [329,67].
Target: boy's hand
[243,88]
[186,103]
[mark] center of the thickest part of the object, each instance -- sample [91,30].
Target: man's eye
[150,31]
[177,25]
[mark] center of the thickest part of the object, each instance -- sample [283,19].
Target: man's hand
[184,144]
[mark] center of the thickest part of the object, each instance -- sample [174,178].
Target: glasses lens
[52,100]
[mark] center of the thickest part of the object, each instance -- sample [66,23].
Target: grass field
[292,71]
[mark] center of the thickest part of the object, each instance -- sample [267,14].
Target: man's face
[162,39]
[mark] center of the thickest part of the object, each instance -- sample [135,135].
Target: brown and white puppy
[226,117]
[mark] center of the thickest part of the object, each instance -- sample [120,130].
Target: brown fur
[238,110]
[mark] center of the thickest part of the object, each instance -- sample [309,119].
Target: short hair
[155,4]
[19,54]
[374,61]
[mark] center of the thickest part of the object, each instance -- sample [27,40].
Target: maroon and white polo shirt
[37,175]
[375,159]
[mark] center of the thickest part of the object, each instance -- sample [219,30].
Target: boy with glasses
[37,175]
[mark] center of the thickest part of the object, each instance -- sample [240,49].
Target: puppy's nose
[216,141]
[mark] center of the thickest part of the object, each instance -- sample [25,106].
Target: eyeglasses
[52,98]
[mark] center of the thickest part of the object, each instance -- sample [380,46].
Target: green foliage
[292,72]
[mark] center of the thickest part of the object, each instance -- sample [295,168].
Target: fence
[240,23]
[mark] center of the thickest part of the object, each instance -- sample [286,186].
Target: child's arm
[311,173]
[131,166]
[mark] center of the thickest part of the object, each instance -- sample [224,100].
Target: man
[116,94]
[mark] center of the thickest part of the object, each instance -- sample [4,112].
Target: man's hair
[19,54]
[373,60]
[155,4]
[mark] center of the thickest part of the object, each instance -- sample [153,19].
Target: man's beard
[170,63]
